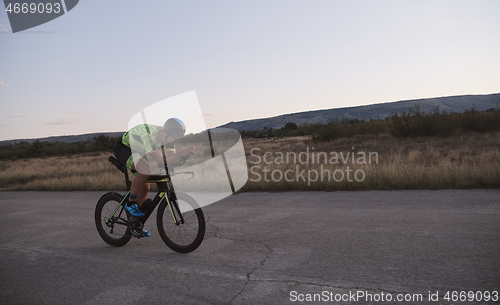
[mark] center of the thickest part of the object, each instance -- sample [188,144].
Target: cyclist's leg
[143,194]
[139,186]
[138,183]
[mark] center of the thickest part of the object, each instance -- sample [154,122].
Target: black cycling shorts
[122,152]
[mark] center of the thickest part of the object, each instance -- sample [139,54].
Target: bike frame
[165,191]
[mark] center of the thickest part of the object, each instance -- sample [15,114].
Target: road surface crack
[266,253]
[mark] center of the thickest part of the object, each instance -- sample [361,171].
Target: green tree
[102,142]
[38,149]
[290,126]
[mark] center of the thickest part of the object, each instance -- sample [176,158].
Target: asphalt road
[260,248]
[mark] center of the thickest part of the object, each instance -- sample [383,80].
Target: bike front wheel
[181,223]
[111,220]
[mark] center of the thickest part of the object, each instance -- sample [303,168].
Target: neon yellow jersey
[142,137]
[144,140]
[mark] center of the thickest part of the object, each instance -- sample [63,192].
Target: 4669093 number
[475,296]
[33,8]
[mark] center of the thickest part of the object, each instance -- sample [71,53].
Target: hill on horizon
[375,111]
[65,139]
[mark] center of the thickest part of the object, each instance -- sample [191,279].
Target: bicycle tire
[114,232]
[182,238]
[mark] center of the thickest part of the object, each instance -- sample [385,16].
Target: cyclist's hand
[187,152]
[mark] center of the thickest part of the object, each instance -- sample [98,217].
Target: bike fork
[177,220]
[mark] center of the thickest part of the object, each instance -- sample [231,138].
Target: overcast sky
[95,67]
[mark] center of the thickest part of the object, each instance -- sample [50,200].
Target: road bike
[179,218]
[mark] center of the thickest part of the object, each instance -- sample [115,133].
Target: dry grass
[78,173]
[465,161]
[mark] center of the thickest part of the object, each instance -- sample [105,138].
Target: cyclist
[147,141]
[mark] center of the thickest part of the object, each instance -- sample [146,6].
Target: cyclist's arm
[171,156]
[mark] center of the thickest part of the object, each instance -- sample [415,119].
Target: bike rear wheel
[113,230]
[181,237]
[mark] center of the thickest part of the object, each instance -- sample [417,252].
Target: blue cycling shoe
[133,210]
[145,233]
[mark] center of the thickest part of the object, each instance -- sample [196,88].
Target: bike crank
[136,227]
